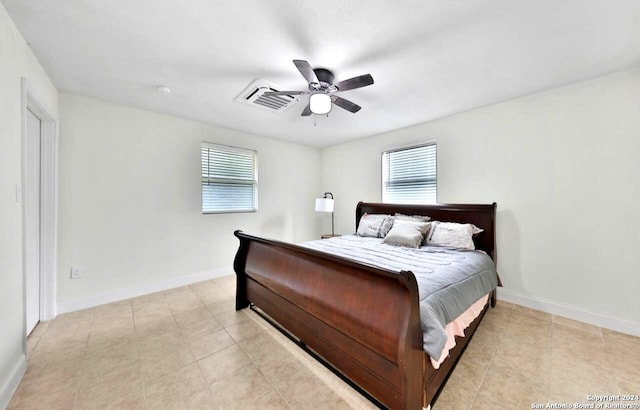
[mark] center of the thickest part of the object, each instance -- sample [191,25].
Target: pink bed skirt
[457,327]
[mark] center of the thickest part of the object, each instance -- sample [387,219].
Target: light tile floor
[187,348]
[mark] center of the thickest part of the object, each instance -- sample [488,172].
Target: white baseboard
[140,290]
[571,312]
[10,385]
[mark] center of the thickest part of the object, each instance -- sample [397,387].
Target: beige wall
[563,167]
[16,61]
[129,197]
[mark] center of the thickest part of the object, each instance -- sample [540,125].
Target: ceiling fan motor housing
[324,75]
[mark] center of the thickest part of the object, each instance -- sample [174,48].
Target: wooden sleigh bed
[361,320]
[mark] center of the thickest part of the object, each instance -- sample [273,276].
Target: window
[229,179]
[409,175]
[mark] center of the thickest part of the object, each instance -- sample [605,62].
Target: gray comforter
[449,280]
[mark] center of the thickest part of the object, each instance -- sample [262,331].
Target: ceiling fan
[321,89]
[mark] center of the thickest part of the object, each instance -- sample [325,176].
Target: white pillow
[407,233]
[374,225]
[452,234]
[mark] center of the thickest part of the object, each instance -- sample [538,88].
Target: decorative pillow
[374,225]
[407,233]
[386,226]
[413,218]
[452,234]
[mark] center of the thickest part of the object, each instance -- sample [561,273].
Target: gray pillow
[407,233]
[386,226]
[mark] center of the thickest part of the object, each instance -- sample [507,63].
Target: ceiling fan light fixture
[320,103]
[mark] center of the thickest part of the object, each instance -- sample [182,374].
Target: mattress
[449,280]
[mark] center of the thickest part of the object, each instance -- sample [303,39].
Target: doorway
[39,204]
[32,231]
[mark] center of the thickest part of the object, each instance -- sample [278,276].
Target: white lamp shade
[324,205]
[320,103]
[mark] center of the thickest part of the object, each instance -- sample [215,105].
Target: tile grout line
[207,384]
[493,355]
[306,360]
[84,359]
[549,372]
[606,349]
[260,370]
[139,361]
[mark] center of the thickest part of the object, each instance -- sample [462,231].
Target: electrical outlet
[76,272]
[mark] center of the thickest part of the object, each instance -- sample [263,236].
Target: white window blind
[409,175]
[229,179]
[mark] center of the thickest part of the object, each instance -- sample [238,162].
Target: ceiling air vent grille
[254,95]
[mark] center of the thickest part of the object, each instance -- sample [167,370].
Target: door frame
[48,203]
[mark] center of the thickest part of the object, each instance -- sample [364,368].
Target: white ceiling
[429,59]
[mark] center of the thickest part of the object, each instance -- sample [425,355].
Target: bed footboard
[362,320]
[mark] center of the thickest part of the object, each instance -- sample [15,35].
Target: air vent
[254,95]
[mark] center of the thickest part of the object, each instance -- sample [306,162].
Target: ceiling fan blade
[307,72]
[355,82]
[273,93]
[346,104]
[307,111]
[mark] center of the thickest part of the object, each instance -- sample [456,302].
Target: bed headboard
[481,215]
